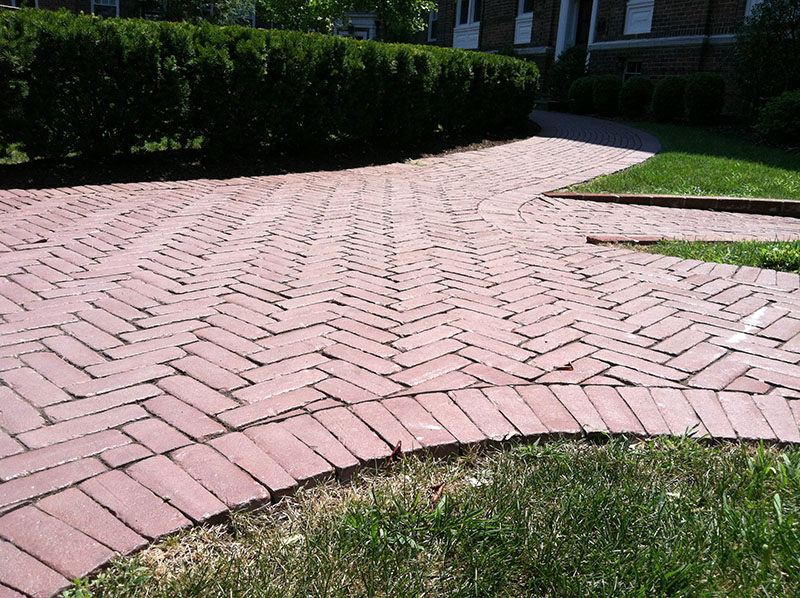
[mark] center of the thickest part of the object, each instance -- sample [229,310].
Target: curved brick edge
[653,239]
[596,147]
[769,207]
[74,532]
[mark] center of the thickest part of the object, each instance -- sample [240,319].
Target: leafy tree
[767,49]
[396,18]
[570,65]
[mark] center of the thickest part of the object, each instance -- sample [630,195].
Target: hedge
[704,98]
[81,84]
[605,94]
[779,119]
[581,95]
[635,97]
[668,102]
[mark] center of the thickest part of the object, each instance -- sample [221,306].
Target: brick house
[106,8]
[654,38]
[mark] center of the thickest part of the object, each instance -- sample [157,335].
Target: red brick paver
[173,350]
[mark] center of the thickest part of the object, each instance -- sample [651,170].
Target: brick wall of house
[657,63]
[497,24]
[726,16]
[447,20]
[545,22]
[129,9]
[673,18]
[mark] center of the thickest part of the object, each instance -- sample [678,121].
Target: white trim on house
[563,22]
[639,16]
[466,35]
[750,5]
[106,3]
[535,51]
[664,42]
[523,26]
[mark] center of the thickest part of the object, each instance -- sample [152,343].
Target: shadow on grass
[185,164]
[729,142]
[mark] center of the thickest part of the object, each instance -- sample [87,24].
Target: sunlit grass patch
[620,518]
[696,161]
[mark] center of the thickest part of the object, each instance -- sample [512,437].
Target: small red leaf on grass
[436,493]
[396,451]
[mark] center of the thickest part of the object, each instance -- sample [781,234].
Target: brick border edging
[769,207]
[355,436]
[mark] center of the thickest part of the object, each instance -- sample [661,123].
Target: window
[469,12]
[433,25]
[633,68]
[524,23]
[639,16]
[105,8]
[468,28]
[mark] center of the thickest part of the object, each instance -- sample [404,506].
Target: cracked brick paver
[171,350]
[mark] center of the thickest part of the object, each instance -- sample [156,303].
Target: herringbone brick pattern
[170,351]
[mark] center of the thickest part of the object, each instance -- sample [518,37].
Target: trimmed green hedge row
[80,84]
[701,97]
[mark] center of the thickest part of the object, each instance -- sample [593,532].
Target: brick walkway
[216,343]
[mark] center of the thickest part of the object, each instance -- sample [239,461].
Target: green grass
[618,519]
[776,255]
[695,161]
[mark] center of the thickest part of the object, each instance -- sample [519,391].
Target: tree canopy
[768,47]
[396,18]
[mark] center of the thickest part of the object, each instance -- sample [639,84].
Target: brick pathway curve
[169,351]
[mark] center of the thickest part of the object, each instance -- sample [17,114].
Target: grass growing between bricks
[696,161]
[575,518]
[783,256]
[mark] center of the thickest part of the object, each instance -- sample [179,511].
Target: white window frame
[466,35]
[114,3]
[471,20]
[639,16]
[433,17]
[751,4]
[523,27]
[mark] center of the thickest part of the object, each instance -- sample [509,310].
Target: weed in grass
[621,518]
[694,161]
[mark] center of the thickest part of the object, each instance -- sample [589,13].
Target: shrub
[78,84]
[635,96]
[704,98]
[784,257]
[571,65]
[605,93]
[765,45]
[581,96]
[779,119]
[668,98]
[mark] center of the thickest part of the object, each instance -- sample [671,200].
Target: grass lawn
[695,161]
[783,256]
[616,519]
